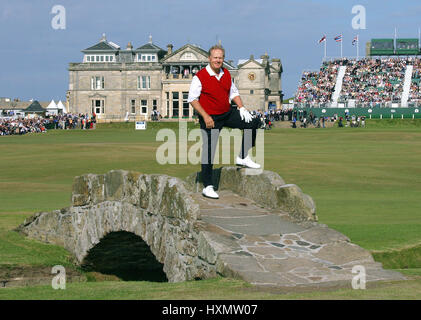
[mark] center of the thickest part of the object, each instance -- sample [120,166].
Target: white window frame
[97,83]
[99,58]
[101,106]
[143,106]
[167,96]
[132,106]
[185,96]
[144,82]
[147,57]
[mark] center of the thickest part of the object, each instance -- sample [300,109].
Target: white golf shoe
[247,162]
[210,193]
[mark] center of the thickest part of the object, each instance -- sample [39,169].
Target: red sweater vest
[214,97]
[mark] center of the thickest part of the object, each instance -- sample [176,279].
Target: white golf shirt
[196,86]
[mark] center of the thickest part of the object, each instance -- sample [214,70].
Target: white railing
[338,85]
[407,85]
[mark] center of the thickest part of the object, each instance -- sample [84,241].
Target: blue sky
[34,56]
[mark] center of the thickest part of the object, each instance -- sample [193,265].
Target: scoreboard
[382,47]
[388,47]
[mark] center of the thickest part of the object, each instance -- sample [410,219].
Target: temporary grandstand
[389,76]
[368,82]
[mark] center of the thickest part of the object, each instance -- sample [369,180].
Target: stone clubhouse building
[129,84]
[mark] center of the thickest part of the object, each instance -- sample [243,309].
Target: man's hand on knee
[209,122]
[245,115]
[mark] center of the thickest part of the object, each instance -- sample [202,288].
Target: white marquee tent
[52,108]
[61,106]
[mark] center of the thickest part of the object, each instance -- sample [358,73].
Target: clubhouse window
[99,58]
[133,106]
[97,83]
[144,106]
[167,95]
[147,57]
[186,105]
[98,106]
[143,82]
[175,106]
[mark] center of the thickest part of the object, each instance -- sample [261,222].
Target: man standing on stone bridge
[211,93]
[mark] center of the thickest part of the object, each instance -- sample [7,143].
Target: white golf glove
[245,115]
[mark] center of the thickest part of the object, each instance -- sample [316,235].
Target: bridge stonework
[261,230]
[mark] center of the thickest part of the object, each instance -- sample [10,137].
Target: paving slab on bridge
[265,247]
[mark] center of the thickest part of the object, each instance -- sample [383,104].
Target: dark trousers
[230,119]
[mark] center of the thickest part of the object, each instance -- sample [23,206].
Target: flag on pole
[323,39]
[355,40]
[338,38]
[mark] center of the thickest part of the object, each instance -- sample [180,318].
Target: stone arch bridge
[261,230]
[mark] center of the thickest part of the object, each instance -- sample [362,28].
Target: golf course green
[366,183]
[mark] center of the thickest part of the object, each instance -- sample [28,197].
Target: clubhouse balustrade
[178,76]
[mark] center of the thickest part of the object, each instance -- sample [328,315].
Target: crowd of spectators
[351,121]
[269,117]
[373,80]
[415,91]
[296,117]
[20,126]
[73,121]
[366,80]
[318,86]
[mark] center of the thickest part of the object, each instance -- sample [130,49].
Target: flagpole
[342,40]
[358,43]
[394,43]
[325,47]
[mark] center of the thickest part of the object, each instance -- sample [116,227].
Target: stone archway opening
[126,256]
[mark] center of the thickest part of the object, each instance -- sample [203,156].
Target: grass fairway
[212,289]
[365,182]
